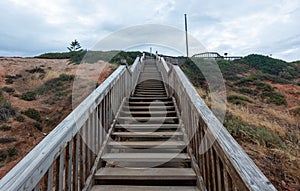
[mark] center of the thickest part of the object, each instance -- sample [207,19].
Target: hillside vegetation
[93,56]
[263,96]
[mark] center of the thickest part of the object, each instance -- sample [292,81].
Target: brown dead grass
[254,117]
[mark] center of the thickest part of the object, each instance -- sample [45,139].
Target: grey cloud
[220,25]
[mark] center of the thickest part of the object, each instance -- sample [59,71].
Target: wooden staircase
[147,150]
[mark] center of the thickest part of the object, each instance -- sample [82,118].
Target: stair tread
[145,157]
[147,118]
[144,188]
[148,112]
[148,102]
[157,98]
[138,144]
[147,125]
[149,107]
[146,173]
[148,134]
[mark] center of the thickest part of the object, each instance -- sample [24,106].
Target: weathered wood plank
[61,171]
[144,188]
[146,173]
[50,179]
[145,157]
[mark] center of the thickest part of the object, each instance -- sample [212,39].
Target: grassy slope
[93,56]
[260,116]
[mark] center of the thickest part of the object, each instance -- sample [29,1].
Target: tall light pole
[186,36]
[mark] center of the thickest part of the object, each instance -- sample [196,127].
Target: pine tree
[74,46]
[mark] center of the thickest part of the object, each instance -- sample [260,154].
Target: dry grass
[204,96]
[283,115]
[256,119]
[36,80]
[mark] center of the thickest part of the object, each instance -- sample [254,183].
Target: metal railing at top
[224,166]
[67,158]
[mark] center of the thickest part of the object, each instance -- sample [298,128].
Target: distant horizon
[38,54]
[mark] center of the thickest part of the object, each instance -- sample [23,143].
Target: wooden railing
[66,159]
[224,166]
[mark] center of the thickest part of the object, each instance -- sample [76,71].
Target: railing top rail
[253,178]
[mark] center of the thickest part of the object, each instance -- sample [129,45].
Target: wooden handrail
[64,158]
[224,166]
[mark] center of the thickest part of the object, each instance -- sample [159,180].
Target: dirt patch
[291,93]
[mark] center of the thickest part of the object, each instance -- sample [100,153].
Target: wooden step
[146,174]
[148,102]
[145,157]
[148,134]
[148,144]
[150,88]
[146,127]
[147,112]
[148,107]
[147,118]
[143,188]
[164,98]
[141,93]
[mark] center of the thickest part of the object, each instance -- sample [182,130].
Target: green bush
[128,56]
[11,151]
[238,99]
[5,154]
[243,131]
[271,66]
[38,126]
[6,109]
[7,140]
[66,77]
[8,89]
[33,114]
[28,96]
[274,97]
[55,84]
[36,70]
[9,81]
[248,91]
[5,127]
[20,118]
[74,56]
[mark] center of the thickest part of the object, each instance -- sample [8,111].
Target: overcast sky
[239,27]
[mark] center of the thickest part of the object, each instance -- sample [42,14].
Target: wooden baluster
[226,179]
[76,150]
[83,158]
[213,170]
[218,172]
[61,171]
[50,179]
[69,170]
